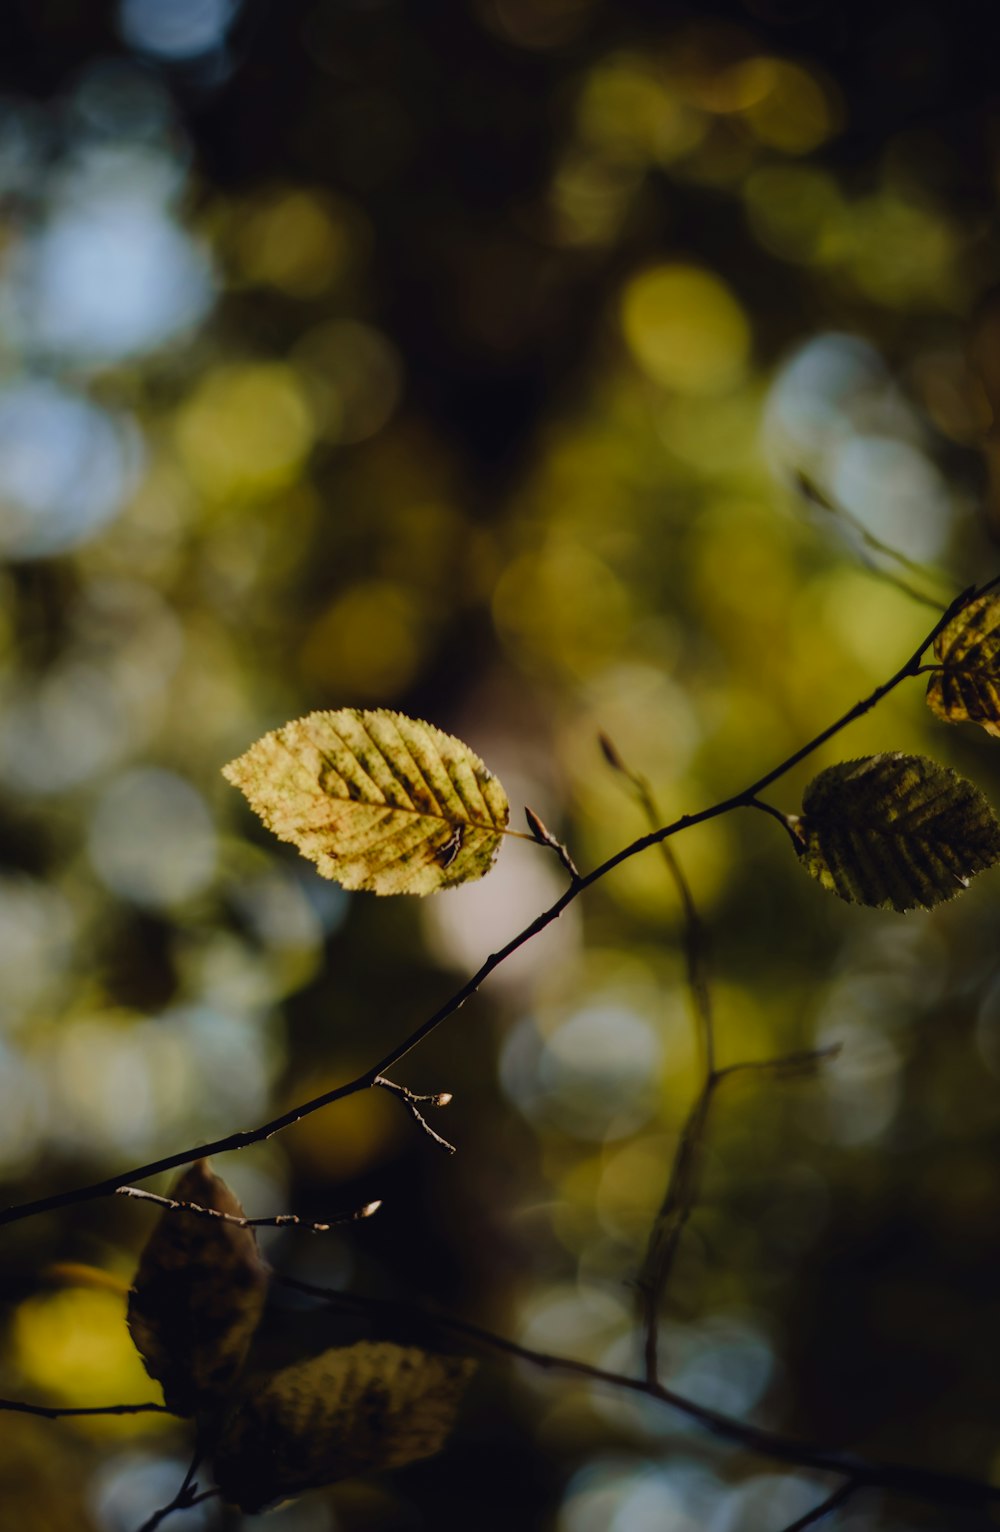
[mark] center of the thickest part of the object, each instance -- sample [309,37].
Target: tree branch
[182,1501]
[839,1497]
[684,1178]
[924,1484]
[276,1221]
[241,1140]
[56,1412]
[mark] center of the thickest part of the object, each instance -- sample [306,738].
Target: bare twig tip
[536,826]
[610,753]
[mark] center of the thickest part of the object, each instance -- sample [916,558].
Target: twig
[410,1100]
[788,1066]
[683,1181]
[56,1412]
[178,1504]
[365,1081]
[277,1221]
[186,1496]
[694,939]
[838,1498]
[816,496]
[919,1483]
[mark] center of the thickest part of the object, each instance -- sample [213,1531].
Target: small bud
[610,753]
[536,827]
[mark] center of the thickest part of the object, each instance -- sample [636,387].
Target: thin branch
[919,1483]
[839,1497]
[56,1412]
[818,497]
[670,1222]
[178,1504]
[684,1181]
[684,1178]
[410,1100]
[786,1066]
[365,1081]
[277,1221]
[185,1497]
[899,582]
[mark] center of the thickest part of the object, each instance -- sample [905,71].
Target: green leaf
[968,691]
[895,831]
[351,1410]
[197,1297]
[377,800]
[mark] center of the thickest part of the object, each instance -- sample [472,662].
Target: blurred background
[460,359]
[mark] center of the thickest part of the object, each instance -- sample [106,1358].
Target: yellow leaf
[198,1296]
[351,1410]
[377,800]
[968,689]
[896,831]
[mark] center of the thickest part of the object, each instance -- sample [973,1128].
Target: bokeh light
[66,467]
[151,838]
[185,29]
[110,273]
[685,329]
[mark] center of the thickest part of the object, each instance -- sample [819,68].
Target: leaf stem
[786,824]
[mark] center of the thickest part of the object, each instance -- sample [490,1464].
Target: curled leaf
[350,1410]
[377,800]
[197,1297]
[896,831]
[967,690]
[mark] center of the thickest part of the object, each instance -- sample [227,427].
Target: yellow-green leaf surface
[198,1296]
[377,800]
[968,691]
[896,831]
[351,1410]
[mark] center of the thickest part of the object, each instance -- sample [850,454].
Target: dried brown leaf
[198,1296]
[351,1410]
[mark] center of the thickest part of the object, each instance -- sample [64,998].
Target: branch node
[276,1221]
[412,1101]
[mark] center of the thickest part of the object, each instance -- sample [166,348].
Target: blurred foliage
[461,360]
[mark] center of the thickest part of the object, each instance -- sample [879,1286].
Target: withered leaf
[967,690]
[198,1296]
[350,1410]
[896,831]
[377,800]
